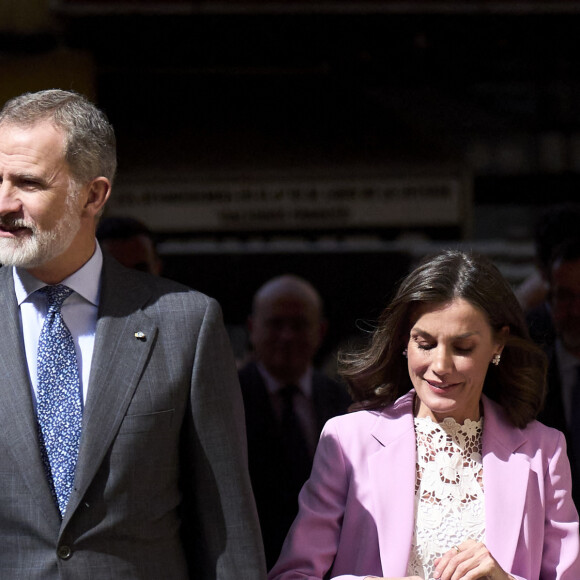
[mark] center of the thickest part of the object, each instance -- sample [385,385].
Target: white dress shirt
[79,312]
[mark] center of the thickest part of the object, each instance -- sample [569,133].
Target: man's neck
[55,271]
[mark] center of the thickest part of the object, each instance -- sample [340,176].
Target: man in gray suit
[159,487]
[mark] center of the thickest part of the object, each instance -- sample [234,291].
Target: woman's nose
[442,361]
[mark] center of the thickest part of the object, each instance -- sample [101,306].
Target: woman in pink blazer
[442,473]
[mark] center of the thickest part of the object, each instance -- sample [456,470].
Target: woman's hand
[471,560]
[390,578]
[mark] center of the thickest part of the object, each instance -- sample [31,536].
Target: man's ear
[99,190]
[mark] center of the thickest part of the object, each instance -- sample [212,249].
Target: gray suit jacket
[161,486]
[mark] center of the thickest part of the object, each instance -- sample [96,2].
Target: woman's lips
[441,386]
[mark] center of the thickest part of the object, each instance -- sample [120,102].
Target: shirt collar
[274,385]
[85,281]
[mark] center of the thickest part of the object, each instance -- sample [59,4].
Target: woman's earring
[496,358]
[405,353]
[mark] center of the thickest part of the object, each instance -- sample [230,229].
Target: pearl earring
[496,358]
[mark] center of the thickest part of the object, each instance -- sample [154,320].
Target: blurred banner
[354,202]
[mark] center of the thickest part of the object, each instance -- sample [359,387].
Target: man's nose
[287,331]
[9,200]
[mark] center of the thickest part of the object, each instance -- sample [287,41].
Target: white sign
[297,205]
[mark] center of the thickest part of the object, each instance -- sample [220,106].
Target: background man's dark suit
[555,325]
[543,333]
[275,487]
[161,487]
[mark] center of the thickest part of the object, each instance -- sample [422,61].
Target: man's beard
[39,247]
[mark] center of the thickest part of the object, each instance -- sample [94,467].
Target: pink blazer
[357,509]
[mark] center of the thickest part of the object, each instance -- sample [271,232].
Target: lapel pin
[140,335]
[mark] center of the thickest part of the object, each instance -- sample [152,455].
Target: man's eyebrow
[30,177]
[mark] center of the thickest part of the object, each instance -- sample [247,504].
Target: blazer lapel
[119,356]
[505,480]
[17,414]
[392,477]
[506,477]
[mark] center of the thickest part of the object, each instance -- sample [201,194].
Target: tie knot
[288,392]
[56,295]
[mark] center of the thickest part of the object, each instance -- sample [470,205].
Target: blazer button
[64,552]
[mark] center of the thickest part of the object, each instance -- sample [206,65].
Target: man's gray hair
[90,145]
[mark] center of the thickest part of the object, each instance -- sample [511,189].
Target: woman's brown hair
[378,374]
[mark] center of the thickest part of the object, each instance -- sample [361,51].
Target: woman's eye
[425,346]
[464,350]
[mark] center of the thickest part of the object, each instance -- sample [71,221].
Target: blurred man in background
[287,401]
[130,242]
[555,325]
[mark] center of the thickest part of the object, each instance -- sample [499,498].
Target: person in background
[555,325]
[442,472]
[130,242]
[555,225]
[122,447]
[286,400]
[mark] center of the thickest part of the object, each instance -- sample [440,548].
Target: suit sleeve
[560,559]
[313,539]
[220,524]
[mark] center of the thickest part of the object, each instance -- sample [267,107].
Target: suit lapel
[17,415]
[505,479]
[118,360]
[392,477]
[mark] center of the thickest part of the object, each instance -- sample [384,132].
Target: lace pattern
[449,501]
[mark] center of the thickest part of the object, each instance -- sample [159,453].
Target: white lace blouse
[449,501]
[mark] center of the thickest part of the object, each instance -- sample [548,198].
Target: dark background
[489,87]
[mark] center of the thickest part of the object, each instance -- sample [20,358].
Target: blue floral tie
[59,405]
